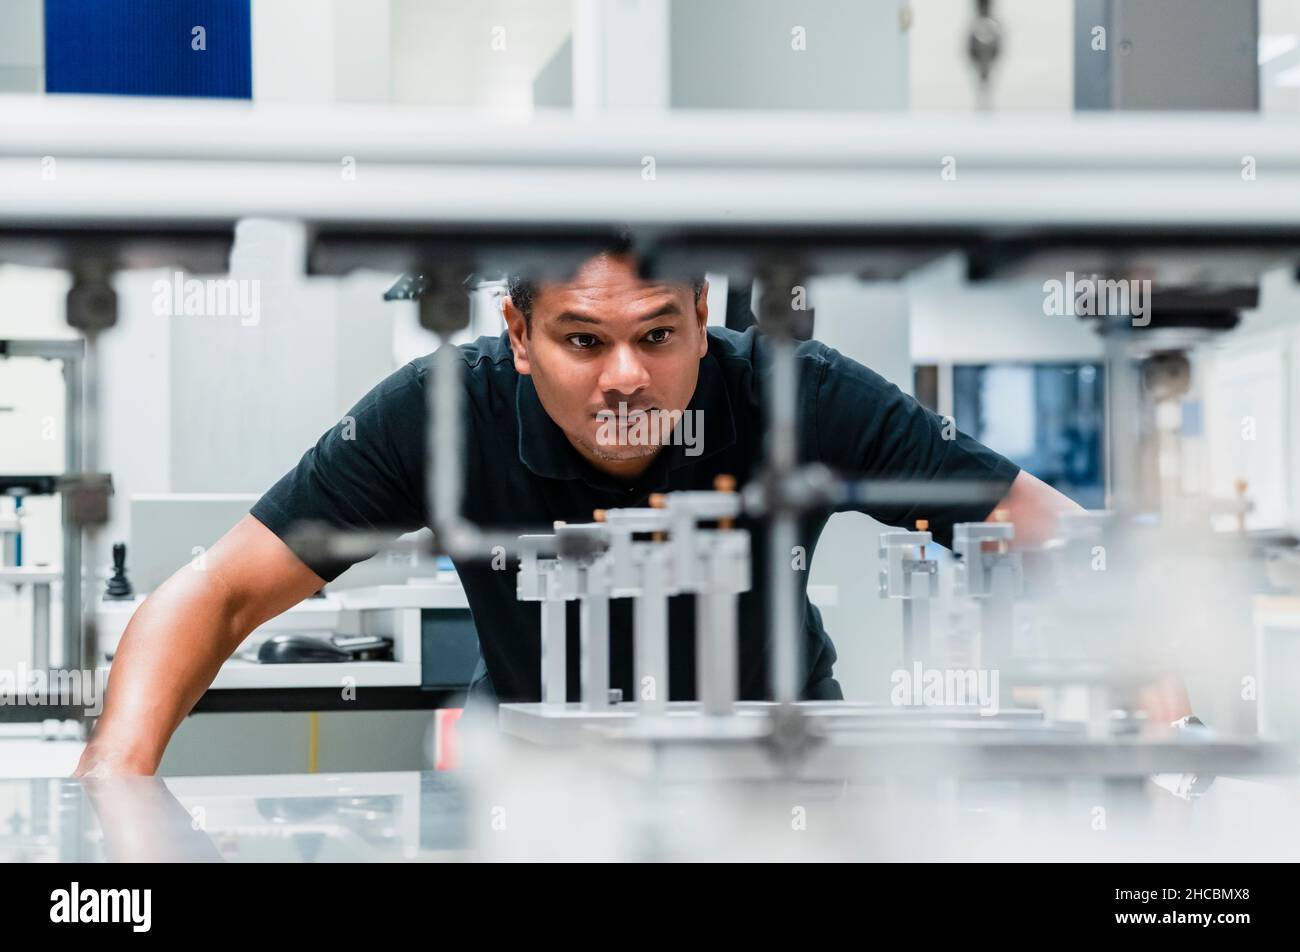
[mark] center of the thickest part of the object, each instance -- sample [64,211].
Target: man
[555,413]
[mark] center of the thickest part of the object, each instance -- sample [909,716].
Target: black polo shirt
[367,472]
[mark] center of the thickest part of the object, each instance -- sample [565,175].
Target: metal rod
[88,642]
[455,535]
[782,582]
[917,492]
[444,417]
[73,462]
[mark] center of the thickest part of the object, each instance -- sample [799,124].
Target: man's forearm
[169,654]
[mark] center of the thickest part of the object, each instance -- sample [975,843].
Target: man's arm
[179,638]
[1034,506]
[363,474]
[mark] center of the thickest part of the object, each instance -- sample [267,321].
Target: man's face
[609,354]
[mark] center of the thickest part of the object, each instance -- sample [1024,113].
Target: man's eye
[583,341]
[659,335]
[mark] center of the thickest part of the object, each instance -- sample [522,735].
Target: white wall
[484,54]
[742,54]
[995,324]
[293,51]
[1279,29]
[249,398]
[22,52]
[621,55]
[135,406]
[322,51]
[1270,333]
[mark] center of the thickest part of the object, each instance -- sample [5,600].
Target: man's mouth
[624,413]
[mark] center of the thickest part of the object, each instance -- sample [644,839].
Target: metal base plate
[571,723]
[834,741]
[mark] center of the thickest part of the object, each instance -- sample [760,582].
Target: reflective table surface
[360,817]
[530,804]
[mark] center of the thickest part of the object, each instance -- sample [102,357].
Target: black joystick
[119,587]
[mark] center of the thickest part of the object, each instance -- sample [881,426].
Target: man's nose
[624,372]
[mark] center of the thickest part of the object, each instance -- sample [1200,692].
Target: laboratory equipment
[911,577]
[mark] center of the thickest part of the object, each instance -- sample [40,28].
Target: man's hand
[100,762]
[1164,701]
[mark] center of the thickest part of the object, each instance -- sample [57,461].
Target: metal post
[41,625]
[554,649]
[73,462]
[650,633]
[715,644]
[593,635]
[997,619]
[916,621]
[996,616]
[782,583]
[1122,412]
[911,576]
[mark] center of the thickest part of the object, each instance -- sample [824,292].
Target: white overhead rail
[123,161]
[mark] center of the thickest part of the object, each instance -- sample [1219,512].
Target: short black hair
[523,290]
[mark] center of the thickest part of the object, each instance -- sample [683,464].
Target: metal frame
[451,195]
[72,354]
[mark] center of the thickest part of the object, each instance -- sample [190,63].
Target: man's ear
[702,317]
[518,328]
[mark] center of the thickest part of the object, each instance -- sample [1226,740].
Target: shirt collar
[547,452]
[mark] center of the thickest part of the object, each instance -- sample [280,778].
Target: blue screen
[149,47]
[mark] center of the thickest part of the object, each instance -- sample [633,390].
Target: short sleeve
[362,474]
[867,426]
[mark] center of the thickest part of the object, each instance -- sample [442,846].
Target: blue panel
[146,47]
